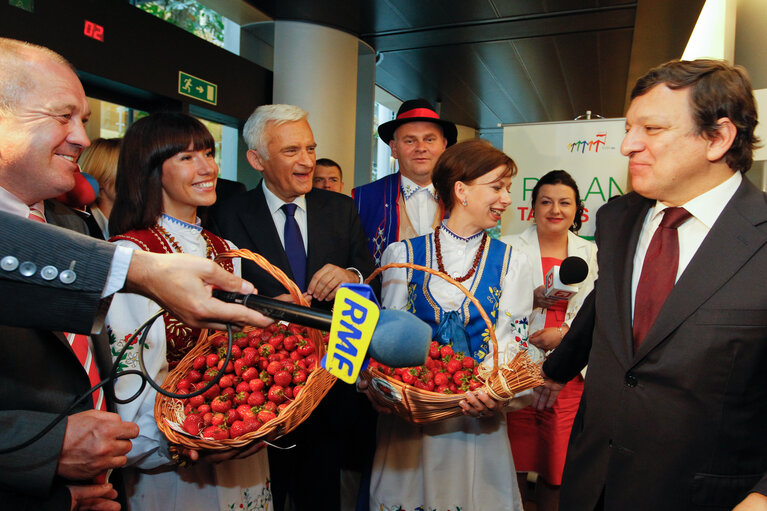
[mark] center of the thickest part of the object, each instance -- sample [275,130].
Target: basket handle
[278,274]
[469,295]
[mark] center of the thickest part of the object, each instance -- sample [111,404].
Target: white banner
[589,150]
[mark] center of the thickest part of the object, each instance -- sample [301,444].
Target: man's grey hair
[254,131]
[17,77]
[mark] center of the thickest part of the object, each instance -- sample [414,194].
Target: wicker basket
[422,406]
[317,385]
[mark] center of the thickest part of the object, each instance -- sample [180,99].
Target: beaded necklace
[177,247]
[474,265]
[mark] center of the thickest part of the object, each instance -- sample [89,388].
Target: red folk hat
[415,110]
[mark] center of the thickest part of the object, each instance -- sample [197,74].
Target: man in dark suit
[277,219]
[674,411]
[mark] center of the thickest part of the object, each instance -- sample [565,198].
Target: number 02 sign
[93,31]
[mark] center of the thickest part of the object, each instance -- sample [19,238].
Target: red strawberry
[283,378]
[460,377]
[277,341]
[243,386]
[184,385]
[256,398]
[274,367]
[193,423]
[305,348]
[266,349]
[290,343]
[265,416]
[207,418]
[220,404]
[474,384]
[297,390]
[194,376]
[453,365]
[226,381]
[217,419]
[237,428]
[212,360]
[216,432]
[240,398]
[296,329]
[210,374]
[434,349]
[249,373]
[468,363]
[199,363]
[203,409]
[270,406]
[445,351]
[441,379]
[252,423]
[266,377]
[239,366]
[299,377]
[227,393]
[254,334]
[249,356]
[276,394]
[246,411]
[197,400]
[240,341]
[256,384]
[231,416]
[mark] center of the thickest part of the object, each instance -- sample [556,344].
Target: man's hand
[325,282]
[94,442]
[548,338]
[753,502]
[183,284]
[362,386]
[96,497]
[545,395]
[539,299]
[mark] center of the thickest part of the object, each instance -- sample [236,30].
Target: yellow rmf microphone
[354,320]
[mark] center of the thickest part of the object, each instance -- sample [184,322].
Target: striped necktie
[78,342]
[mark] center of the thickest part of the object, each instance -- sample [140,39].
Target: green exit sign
[27,5]
[197,88]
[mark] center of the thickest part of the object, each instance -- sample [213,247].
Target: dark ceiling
[490,62]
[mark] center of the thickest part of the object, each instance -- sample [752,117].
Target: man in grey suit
[674,412]
[42,114]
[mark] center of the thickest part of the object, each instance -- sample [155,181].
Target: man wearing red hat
[405,205]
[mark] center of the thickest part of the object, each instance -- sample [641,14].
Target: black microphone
[560,279]
[400,339]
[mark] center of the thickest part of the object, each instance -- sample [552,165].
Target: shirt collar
[457,237]
[409,188]
[9,203]
[274,203]
[707,206]
[167,219]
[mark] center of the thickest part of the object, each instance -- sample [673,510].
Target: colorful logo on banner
[581,146]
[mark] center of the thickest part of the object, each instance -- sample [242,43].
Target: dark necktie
[658,272]
[294,246]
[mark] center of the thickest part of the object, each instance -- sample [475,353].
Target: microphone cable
[143,331]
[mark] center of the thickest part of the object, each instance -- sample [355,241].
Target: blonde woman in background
[100,161]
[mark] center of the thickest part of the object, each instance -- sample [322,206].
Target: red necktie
[79,342]
[658,272]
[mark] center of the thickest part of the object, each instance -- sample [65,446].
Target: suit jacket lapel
[258,223]
[712,266]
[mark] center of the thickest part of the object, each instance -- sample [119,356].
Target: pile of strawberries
[268,369]
[445,371]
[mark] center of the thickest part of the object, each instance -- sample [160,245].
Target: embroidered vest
[485,285]
[180,338]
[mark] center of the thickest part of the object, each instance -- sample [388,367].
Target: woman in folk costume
[165,172]
[539,437]
[464,462]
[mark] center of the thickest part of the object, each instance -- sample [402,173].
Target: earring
[465,203]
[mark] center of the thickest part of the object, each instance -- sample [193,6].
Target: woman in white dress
[165,172]
[462,463]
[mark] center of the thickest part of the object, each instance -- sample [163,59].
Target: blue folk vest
[485,285]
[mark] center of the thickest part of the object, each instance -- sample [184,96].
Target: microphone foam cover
[573,270]
[400,339]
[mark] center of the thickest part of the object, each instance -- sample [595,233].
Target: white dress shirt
[118,270]
[705,210]
[421,205]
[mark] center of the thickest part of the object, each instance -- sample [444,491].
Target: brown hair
[717,90]
[466,161]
